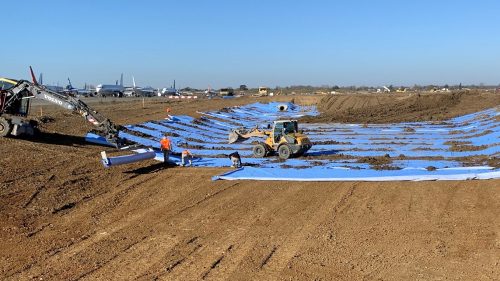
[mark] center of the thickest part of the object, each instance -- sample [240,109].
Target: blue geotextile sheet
[320,174]
[418,150]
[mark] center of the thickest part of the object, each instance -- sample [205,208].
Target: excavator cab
[17,107]
[6,83]
[13,110]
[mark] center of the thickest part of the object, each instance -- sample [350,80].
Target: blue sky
[272,43]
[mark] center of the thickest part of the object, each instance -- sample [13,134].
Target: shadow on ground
[57,139]
[151,168]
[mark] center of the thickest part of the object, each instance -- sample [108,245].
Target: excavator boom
[25,90]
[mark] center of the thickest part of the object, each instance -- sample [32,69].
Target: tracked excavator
[15,97]
[283,138]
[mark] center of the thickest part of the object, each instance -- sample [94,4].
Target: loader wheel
[259,150]
[5,127]
[284,151]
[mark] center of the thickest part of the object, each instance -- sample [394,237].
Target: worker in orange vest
[187,157]
[166,147]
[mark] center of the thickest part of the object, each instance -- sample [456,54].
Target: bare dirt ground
[64,217]
[402,107]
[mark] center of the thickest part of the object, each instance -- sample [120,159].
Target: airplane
[209,92]
[116,90]
[172,91]
[84,92]
[57,88]
[139,91]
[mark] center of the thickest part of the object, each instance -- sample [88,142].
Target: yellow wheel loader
[284,138]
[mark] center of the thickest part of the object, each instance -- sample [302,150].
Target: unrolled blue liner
[200,133]
[426,135]
[193,133]
[319,174]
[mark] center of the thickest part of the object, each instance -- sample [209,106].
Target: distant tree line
[336,88]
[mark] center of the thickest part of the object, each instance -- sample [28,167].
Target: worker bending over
[235,159]
[166,147]
[187,157]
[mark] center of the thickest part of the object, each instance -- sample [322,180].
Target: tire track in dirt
[467,241]
[89,272]
[410,237]
[325,266]
[36,172]
[75,246]
[216,262]
[163,249]
[290,247]
[244,259]
[32,217]
[99,240]
[240,224]
[158,269]
[236,216]
[37,191]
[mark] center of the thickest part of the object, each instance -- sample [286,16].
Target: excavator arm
[25,89]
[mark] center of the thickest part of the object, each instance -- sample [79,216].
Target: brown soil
[385,167]
[464,146]
[65,217]
[467,147]
[431,168]
[487,132]
[409,130]
[490,161]
[375,160]
[190,146]
[398,107]
[380,162]
[494,162]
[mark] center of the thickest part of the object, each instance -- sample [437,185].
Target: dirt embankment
[385,108]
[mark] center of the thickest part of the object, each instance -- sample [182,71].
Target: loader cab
[290,127]
[278,131]
[285,127]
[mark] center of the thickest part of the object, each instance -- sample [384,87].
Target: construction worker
[235,159]
[187,156]
[166,147]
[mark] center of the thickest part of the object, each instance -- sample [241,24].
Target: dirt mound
[385,108]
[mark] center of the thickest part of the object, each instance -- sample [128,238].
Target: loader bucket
[242,134]
[234,136]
